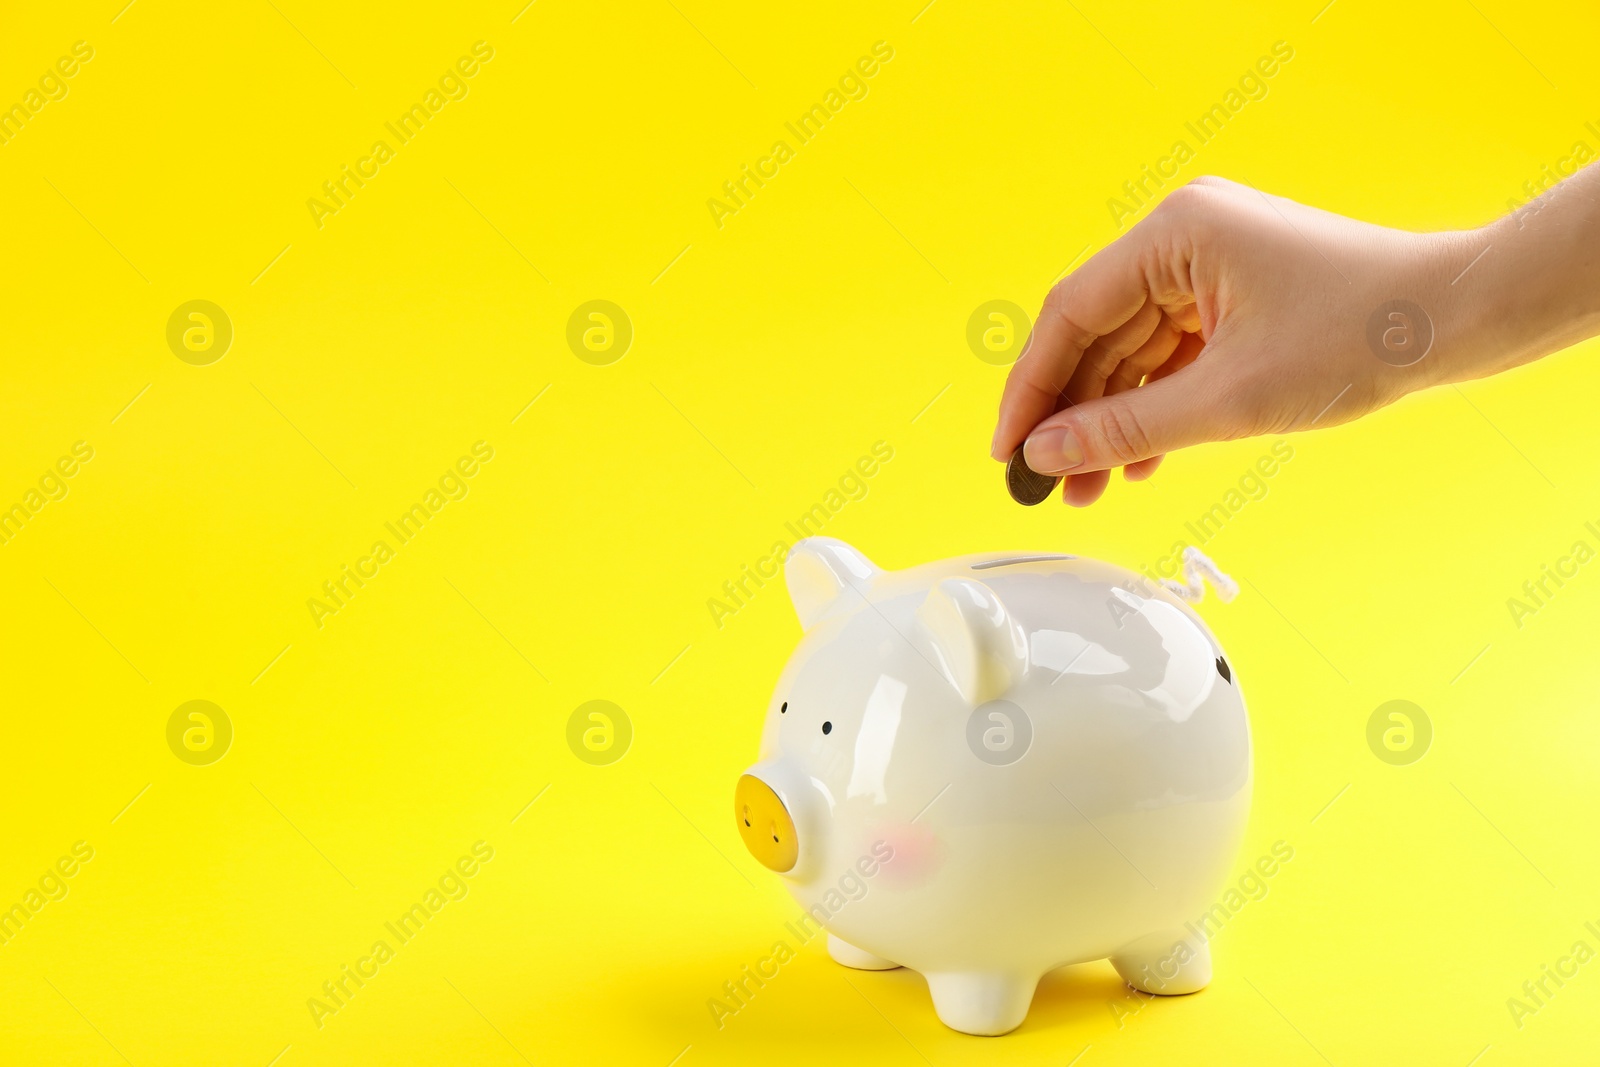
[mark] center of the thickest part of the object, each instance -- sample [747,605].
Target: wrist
[1447,278]
[1536,288]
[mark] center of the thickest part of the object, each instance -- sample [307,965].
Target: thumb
[1114,431]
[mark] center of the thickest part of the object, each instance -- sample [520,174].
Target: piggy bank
[991,766]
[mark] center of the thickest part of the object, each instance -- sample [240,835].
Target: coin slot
[1010,560]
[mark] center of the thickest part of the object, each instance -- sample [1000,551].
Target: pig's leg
[847,954]
[983,1004]
[1169,963]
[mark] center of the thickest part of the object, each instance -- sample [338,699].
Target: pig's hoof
[984,1004]
[1167,964]
[845,953]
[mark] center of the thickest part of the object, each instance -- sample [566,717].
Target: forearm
[1536,289]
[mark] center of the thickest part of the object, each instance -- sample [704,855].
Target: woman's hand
[1229,313]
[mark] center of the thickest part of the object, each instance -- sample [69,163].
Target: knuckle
[1146,360]
[1122,432]
[1055,301]
[1100,361]
[1181,199]
[1056,306]
[1193,203]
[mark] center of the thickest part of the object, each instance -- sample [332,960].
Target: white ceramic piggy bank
[988,767]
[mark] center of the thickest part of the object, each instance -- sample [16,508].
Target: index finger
[1087,304]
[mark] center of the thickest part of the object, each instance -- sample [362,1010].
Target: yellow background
[823,317]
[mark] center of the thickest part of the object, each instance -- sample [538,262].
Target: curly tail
[1197,565]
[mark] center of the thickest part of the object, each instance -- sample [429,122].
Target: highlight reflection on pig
[1054,751]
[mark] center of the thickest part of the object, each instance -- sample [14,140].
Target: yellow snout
[764,824]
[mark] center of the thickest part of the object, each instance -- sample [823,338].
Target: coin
[1026,485]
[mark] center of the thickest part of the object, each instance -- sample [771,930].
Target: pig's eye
[827,727]
[784,708]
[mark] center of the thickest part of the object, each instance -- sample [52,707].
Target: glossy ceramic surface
[990,766]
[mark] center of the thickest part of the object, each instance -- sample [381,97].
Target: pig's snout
[765,824]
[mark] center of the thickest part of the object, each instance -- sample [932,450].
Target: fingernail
[1053,451]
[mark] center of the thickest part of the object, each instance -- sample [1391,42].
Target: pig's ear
[978,646]
[825,576]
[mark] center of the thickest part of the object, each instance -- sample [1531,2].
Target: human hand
[1241,314]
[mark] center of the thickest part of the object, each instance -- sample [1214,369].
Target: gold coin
[1026,485]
